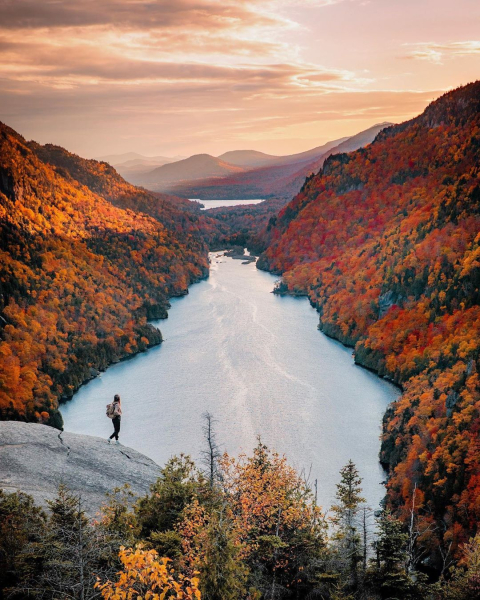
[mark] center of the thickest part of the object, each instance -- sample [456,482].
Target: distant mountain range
[199,166]
[130,163]
[240,173]
[248,159]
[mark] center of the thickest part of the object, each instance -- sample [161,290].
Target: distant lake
[258,363]
[217,203]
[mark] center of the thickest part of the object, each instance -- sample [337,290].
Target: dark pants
[116,425]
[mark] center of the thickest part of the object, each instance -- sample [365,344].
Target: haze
[184,76]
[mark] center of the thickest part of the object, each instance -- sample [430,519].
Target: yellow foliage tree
[145,576]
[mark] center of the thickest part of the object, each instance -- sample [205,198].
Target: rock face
[36,458]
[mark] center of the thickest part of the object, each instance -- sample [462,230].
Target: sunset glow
[183,76]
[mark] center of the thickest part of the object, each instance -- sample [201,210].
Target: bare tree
[418,530]
[211,454]
[366,515]
[73,554]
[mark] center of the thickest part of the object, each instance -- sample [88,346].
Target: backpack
[110,411]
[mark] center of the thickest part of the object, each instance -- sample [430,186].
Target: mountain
[309,155]
[244,224]
[86,260]
[132,163]
[199,166]
[253,159]
[119,158]
[385,243]
[135,157]
[130,169]
[248,159]
[288,186]
[283,178]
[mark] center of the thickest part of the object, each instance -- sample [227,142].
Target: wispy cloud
[437,53]
[64,44]
[210,71]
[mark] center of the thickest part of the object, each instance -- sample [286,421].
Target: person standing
[114,411]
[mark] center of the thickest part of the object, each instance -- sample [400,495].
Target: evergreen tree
[390,546]
[68,553]
[118,519]
[72,553]
[159,512]
[22,530]
[347,536]
[388,575]
[223,574]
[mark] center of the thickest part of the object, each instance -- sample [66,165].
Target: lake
[258,363]
[217,203]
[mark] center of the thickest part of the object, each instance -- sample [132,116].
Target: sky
[179,77]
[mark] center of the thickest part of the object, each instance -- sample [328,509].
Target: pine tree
[391,543]
[223,575]
[388,575]
[65,553]
[72,553]
[345,519]
[22,530]
[159,512]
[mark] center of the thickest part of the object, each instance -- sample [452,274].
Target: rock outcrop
[36,458]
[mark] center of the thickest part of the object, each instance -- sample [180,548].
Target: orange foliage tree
[145,576]
[86,259]
[384,241]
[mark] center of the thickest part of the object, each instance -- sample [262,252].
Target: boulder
[36,459]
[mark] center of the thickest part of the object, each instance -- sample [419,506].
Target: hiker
[114,412]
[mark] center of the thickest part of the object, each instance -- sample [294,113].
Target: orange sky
[185,76]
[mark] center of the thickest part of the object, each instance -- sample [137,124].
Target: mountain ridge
[75,295]
[194,167]
[384,241]
[282,178]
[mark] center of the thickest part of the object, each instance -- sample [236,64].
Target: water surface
[218,203]
[258,363]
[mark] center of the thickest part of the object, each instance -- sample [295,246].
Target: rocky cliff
[36,458]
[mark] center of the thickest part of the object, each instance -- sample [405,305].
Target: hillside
[243,224]
[385,243]
[81,271]
[199,166]
[253,175]
[130,164]
[288,187]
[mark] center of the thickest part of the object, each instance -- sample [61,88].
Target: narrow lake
[218,203]
[257,362]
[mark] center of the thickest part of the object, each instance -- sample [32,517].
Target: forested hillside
[86,259]
[385,243]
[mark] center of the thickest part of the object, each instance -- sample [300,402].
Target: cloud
[436,52]
[65,45]
[129,14]
[146,14]
[182,73]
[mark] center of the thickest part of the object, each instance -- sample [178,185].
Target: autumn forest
[384,242]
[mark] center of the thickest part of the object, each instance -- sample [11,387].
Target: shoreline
[124,358]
